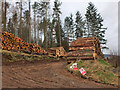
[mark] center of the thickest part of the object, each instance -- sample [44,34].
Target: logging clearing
[40,49]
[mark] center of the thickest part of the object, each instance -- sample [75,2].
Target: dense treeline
[40,23]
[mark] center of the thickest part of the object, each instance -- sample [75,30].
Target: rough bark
[45,29]
[2,16]
[52,37]
[35,26]
[5,16]
[59,32]
[38,30]
[29,23]
[20,25]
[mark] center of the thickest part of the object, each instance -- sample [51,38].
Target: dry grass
[8,56]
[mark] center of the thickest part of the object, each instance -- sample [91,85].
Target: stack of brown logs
[13,43]
[0,39]
[84,49]
[57,51]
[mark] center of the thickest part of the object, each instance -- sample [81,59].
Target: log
[84,48]
[58,51]
[81,48]
[13,43]
[79,54]
[84,40]
[82,45]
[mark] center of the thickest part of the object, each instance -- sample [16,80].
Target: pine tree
[29,22]
[5,6]
[79,25]
[20,25]
[95,24]
[10,26]
[26,26]
[69,28]
[56,17]
[5,18]
[34,6]
[43,11]
[52,27]
[66,27]
[14,21]
[0,16]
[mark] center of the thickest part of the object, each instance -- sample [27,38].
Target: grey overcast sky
[108,10]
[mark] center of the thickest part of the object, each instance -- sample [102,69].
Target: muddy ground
[43,74]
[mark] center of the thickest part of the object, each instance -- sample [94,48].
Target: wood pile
[84,49]
[0,39]
[13,43]
[57,51]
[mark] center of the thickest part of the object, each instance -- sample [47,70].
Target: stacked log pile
[84,49]
[13,43]
[57,51]
[0,39]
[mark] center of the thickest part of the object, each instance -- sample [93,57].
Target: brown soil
[43,74]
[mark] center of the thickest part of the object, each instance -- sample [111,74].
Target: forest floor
[43,74]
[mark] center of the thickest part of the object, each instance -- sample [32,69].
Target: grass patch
[8,56]
[119,69]
[103,62]
[97,70]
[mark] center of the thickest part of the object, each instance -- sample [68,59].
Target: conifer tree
[43,11]
[56,17]
[79,25]
[95,24]
[69,28]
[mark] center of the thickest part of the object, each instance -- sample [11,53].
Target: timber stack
[57,51]
[84,49]
[14,43]
[0,39]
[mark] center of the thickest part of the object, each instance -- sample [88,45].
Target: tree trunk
[52,37]
[68,37]
[20,26]
[41,35]
[1,44]
[59,32]
[1,11]
[35,26]
[88,29]
[38,30]
[5,17]
[45,29]
[29,23]
[2,16]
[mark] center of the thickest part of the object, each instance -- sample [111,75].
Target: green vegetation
[99,71]
[103,62]
[8,56]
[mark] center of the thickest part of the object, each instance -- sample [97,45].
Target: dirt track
[43,75]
